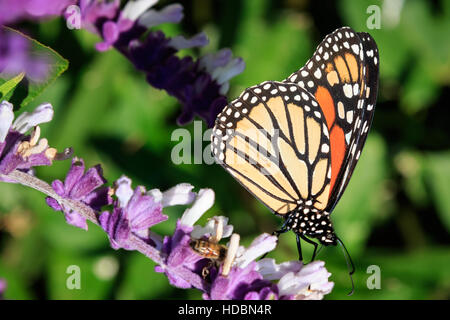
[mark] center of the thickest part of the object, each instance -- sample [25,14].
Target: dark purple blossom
[81,186]
[200,85]
[242,284]
[19,150]
[134,212]
[181,262]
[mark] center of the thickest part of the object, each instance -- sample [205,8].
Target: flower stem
[80,207]
[91,215]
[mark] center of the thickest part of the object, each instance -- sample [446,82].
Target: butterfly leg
[299,248]
[313,243]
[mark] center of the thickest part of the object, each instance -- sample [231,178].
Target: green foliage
[7,87]
[438,177]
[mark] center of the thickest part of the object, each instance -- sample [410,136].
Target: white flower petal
[311,282]
[204,201]
[272,271]
[231,69]
[210,229]
[180,42]
[43,113]
[124,192]
[6,119]
[209,62]
[181,194]
[261,245]
[156,194]
[134,9]
[172,13]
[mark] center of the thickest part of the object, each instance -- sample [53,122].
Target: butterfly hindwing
[274,140]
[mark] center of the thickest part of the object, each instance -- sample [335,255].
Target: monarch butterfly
[294,144]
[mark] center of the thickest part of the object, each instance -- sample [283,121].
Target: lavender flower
[134,211]
[14,10]
[200,85]
[85,187]
[21,151]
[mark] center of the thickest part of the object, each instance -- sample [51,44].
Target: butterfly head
[313,225]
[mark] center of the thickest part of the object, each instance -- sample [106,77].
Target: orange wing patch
[338,149]
[326,103]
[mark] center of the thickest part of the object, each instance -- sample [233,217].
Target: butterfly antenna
[350,265]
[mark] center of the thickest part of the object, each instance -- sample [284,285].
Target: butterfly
[294,144]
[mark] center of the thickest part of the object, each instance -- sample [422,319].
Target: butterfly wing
[344,83]
[274,140]
[371,74]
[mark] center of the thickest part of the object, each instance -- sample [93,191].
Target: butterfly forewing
[274,140]
[370,73]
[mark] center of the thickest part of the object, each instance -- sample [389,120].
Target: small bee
[211,250]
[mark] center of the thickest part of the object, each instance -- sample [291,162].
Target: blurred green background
[395,213]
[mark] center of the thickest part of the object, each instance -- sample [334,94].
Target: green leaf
[358,210]
[7,87]
[23,92]
[438,169]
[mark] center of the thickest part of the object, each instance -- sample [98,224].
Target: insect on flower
[294,144]
[209,249]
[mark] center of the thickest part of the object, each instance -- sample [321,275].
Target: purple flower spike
[200,86]
[134,212]
[85,187]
